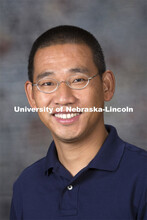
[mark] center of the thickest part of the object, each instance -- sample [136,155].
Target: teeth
[66,116]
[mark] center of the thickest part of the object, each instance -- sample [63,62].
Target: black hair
[67,34]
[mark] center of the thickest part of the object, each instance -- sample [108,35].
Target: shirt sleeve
[145,212]
[142,214]
[12,212]
[16,204]
[144,217]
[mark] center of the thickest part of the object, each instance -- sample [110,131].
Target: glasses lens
[47,85]
[78,81]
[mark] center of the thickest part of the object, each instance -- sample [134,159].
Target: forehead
[61,58]
[63,52]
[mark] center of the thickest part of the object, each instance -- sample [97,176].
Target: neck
[77,155]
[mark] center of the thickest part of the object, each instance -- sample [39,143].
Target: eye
[79,80]
[47,84]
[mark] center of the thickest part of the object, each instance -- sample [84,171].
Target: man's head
[56,59]
[63,35]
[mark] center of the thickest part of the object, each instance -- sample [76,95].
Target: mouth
[67,118]
[67,115]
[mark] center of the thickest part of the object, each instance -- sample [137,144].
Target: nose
[64,95]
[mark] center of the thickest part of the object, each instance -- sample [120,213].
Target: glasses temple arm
[93,76]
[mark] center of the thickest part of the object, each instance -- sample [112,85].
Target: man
[89,172]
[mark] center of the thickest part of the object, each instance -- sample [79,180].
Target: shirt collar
[107,158]
[51,159]
[110,154]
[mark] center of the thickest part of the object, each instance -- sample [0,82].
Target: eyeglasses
[49,85]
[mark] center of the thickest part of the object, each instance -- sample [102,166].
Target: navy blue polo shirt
[112,186]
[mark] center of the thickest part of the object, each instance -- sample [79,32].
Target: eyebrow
[44,74]
[79,70]
[72,70]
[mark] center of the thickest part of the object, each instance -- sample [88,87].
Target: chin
[66,138]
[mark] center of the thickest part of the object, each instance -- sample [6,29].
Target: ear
[30,94]
[108,80]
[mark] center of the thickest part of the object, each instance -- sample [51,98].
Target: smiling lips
[66,118]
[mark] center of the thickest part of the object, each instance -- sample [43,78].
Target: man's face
[63,61]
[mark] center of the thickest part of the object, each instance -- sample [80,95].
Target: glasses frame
[66,82]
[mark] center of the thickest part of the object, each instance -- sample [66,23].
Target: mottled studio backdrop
[120,26]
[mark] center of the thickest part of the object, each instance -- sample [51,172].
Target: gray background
[121,28]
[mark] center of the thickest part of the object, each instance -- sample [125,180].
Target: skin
[77,142]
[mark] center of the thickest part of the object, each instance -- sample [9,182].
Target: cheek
[98,97]
[42,100]
[94,97]
[98,93]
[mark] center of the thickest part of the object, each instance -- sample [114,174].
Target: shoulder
[135,159]
[32,172]
[135,152]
